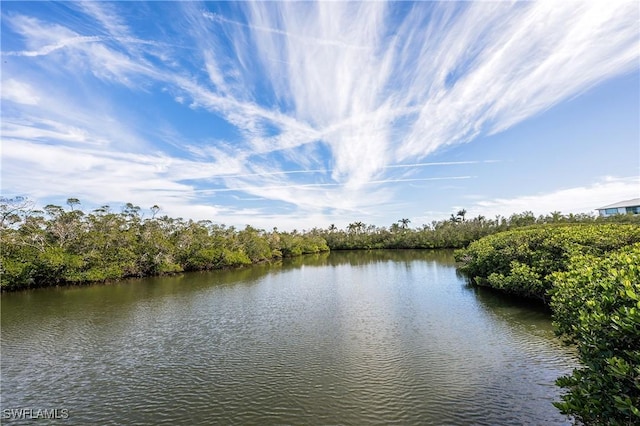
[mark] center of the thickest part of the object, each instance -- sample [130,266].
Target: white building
[623,207]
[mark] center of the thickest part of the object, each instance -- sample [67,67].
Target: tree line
[65,245]
[456,232]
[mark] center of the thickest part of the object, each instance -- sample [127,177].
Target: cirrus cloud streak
[318,106]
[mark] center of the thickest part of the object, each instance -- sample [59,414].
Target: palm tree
[404,223]
[462,213]
[556,216]
[480,219]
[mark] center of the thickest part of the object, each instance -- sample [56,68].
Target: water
[388,337]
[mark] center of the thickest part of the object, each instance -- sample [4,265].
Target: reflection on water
[340,338]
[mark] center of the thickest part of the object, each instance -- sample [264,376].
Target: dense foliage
[523,261]
[591,276]
[456,232]
[59,246]
[596,304]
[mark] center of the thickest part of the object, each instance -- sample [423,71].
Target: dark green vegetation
[456,232]
[591,276]
[61,246]
[597,306]
[522,261]
[65,246]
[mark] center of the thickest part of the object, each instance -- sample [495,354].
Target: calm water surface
[387,337]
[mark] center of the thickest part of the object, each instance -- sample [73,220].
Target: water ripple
[381,343]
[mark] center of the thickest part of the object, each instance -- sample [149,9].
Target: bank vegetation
[65,245]
[60,246]
[589,274]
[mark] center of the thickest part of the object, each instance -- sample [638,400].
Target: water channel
[382,337]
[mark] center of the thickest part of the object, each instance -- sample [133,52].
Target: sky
[306,114]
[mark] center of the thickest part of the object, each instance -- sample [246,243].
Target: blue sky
[303,114]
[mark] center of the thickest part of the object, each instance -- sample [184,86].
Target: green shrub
[522,261]
[596,305]
[591,275]
[52,247]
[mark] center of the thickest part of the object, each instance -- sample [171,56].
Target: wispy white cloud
[60,44]
[58,117]
[44,130]
[438,163]
[301,36]
[446,73]
[319,185]
[583,199]
[98,176]
[107,16]
[18,91]
[329,103]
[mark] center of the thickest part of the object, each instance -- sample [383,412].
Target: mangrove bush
[596,305]
[522,261]
[58,246]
